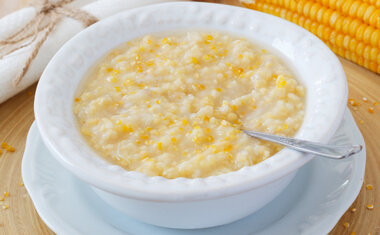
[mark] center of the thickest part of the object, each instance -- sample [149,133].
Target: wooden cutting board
[16,116]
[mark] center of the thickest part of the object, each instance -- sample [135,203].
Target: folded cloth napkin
[12,64]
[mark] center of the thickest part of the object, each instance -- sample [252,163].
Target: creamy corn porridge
[174,106]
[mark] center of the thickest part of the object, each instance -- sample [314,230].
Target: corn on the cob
[351,28]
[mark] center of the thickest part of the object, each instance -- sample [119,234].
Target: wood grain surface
[16,116]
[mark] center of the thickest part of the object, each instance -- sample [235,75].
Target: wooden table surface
[16,116]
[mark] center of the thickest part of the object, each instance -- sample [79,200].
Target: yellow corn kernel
[210,138]
[173,140]
[228,148]
[115,71]
[1,199]
[157,101]
[369,186]
[353,209]
[237,71]
[346,224]
[234,107]
[254,106]
[371,110]
[165,41]
[1,152]
[109,69]
[139,68]
[207,57]
[196,139]
[6,194]
[285,126]
[240,56]
[149,63]
[263,51]
[159,146]
[208,130]
[137,57]
[200,86]
[370,206]
[5,207]
[281,82]
[21,184]
[206,118]
[209,37]
[77,100]
[126,128]
[117,89]
[144,137]
[218,89]
[197,127]
[194,60]
[148,129]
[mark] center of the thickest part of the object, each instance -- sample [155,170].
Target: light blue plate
[313,203]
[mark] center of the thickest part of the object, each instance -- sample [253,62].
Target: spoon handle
[324,150]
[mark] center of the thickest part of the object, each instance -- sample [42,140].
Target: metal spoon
[324,150]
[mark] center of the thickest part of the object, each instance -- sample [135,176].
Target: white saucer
[313,203]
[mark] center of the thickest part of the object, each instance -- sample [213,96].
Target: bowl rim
[55,129]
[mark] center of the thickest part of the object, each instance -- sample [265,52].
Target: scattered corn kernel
[369,186]
[21,184]
[353,209]
[1,199]
[6,194]
[365,99]
[371,110]
[361,121]
[346,224]
[370,206]
[7,147]
[5,207]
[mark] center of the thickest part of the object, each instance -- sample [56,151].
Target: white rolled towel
[12,64]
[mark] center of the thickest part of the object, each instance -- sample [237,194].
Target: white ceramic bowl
[188,203]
